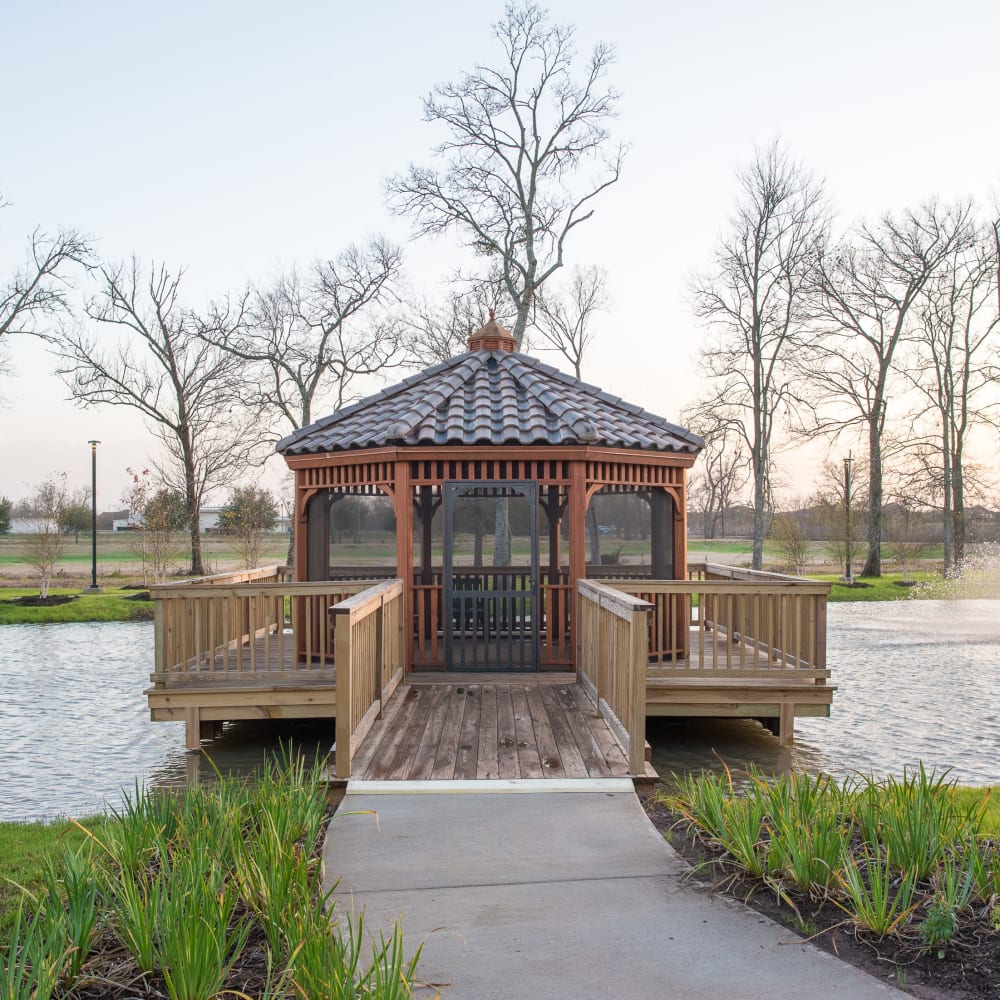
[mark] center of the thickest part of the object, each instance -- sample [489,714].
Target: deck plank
[488,765]
[614,753]
[446,757]
[467,757]
[506,733]
[422,764]
[569,752]
[548,748]
[406,752]
[371,743]
[385,752]
[593,757]
[528,760]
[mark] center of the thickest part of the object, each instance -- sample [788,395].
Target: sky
[235,139]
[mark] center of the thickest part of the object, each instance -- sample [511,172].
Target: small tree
[46,540]
[788,533]
[6,505]
[907,536]
[249,514]
[165,517]
[76,515]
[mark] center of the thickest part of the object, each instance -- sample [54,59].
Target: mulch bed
[34,601]
[969,970]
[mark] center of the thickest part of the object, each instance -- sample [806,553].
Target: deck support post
[786,723]
[192,728]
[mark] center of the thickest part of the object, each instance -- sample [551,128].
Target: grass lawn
[114,605]
[24,848]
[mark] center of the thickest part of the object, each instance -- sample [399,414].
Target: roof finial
[492,337]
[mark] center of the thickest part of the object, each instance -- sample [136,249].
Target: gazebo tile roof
[494,397]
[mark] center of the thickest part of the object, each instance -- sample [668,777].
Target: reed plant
[182,881]
[900,856]
[68,908]
[30,962]
[874,897]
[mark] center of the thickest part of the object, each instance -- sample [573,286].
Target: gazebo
[467,450]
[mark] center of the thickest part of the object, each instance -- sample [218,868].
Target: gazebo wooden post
[403,504]
[576,511]
[680,531]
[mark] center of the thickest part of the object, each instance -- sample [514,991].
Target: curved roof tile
[490,397]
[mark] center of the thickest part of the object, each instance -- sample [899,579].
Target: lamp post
[93,588]
[847,518]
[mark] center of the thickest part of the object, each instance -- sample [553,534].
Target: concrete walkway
[561,890]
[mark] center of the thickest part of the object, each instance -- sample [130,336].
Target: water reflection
[916,681]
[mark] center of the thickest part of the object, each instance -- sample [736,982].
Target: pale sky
[237,138]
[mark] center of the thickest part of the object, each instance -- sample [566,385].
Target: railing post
[378,667]
[342,664]
[637,672]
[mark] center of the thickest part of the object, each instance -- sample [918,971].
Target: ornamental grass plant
[195,895]
[906,857]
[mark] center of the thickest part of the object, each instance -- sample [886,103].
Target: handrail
[612,662]
[751,626]
[260,574]
[221,629]
[369,657]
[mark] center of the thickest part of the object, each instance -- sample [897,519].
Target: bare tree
[436,332]
[753,301]
[564,320]
[309,337]
[721,472]
[167,368]
[956,331]
[38,290]
[866,289]
[46,540]
[525,154]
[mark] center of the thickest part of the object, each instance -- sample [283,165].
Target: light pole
[93,588]
[847,518]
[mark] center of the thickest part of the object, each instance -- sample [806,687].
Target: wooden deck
[488,729]
[262,680]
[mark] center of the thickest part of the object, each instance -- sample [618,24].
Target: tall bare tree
[308,337]
[564,320]
[753,302]
[867,288]
[527,153]
[957,323]
[163,367]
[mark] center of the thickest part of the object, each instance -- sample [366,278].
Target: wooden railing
[749,623]
[370,659]
[612,662]
[244,625]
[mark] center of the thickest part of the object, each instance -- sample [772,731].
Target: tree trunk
[759,506]
[948,523]
[958,511]
[594,530]
[501,551]
[873,561]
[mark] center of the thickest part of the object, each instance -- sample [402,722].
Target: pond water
[917,680]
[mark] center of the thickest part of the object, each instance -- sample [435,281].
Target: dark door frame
[493,616]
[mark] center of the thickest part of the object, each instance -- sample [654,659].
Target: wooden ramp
[484,729]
